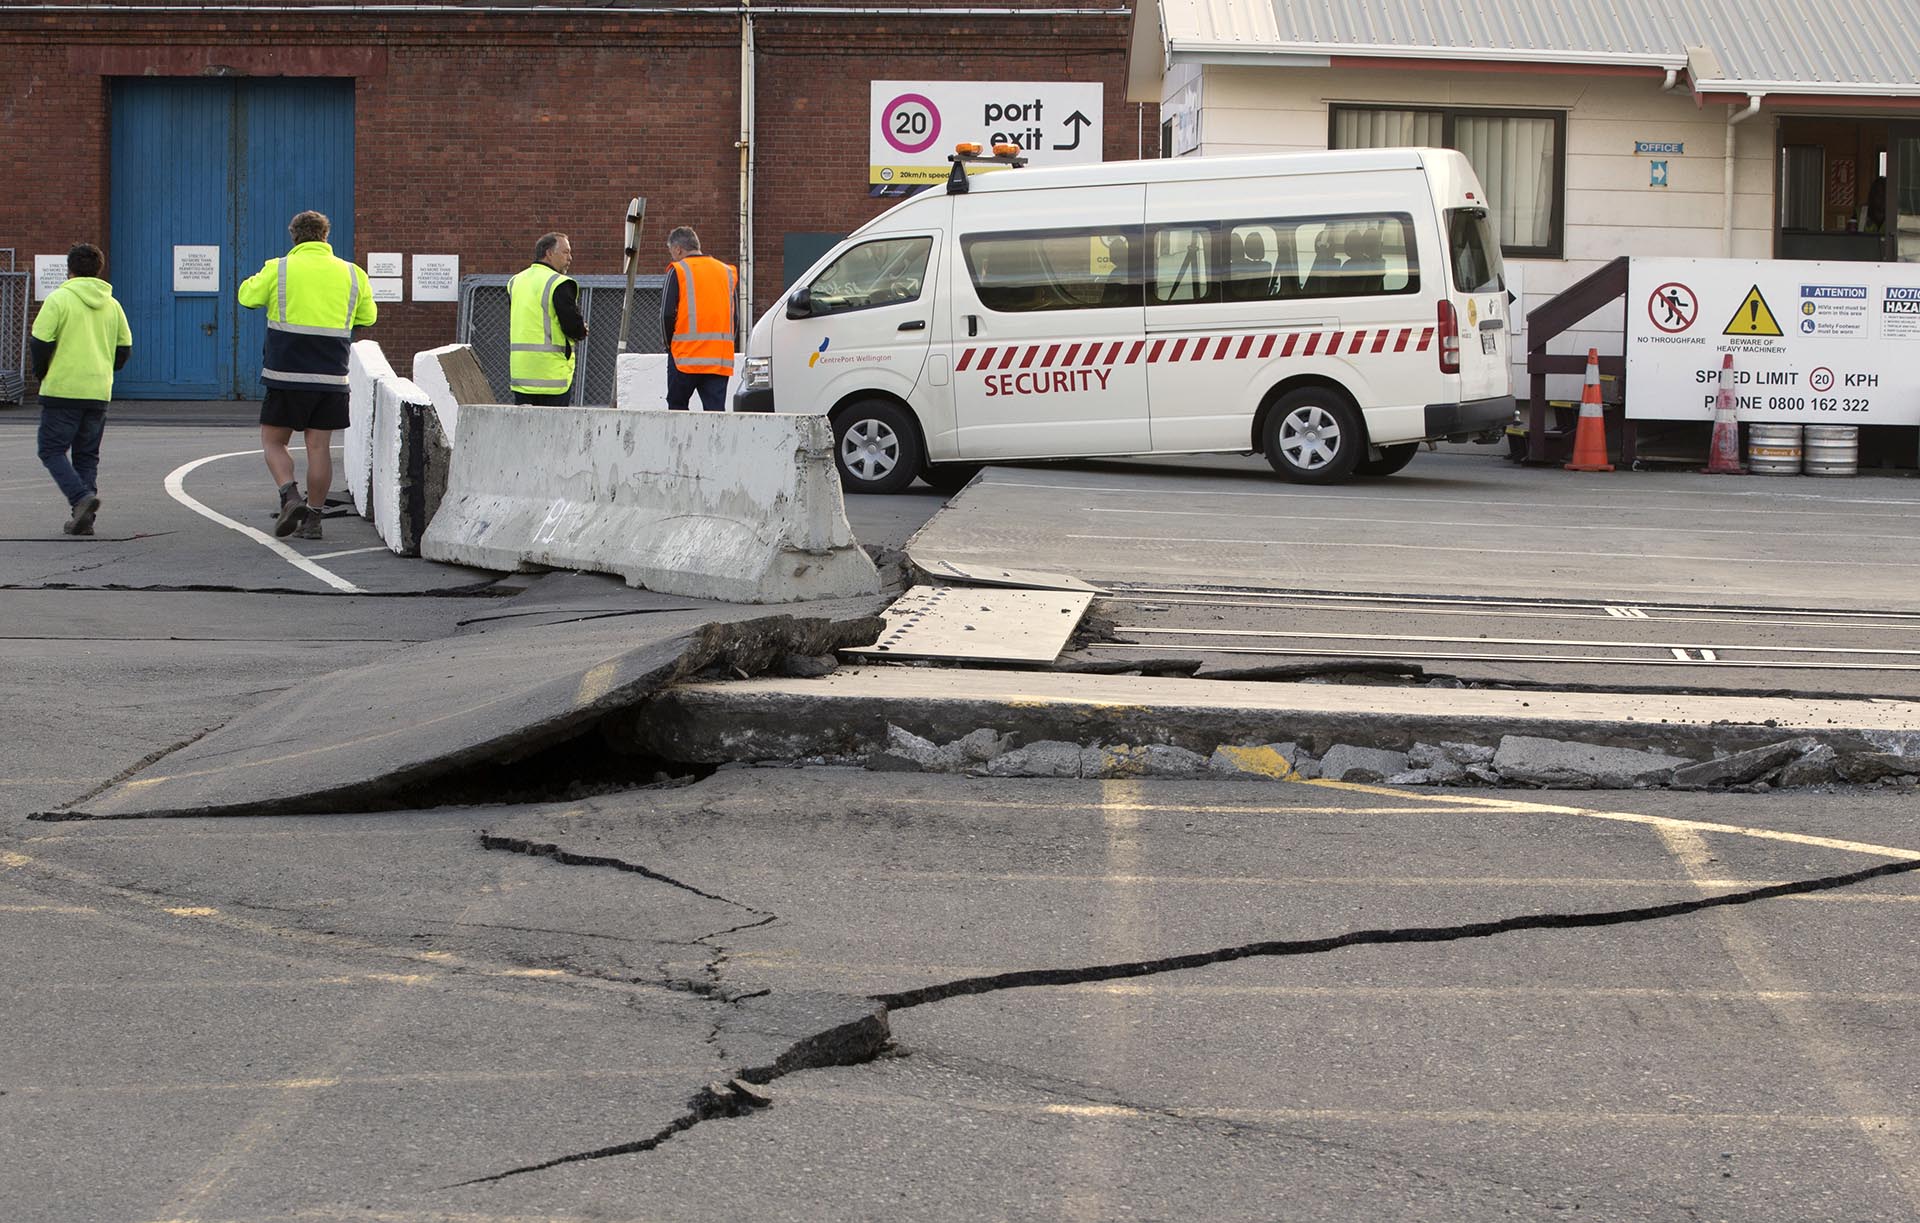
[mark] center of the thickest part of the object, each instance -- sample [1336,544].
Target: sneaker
[293,512]
[309,528]
[83,511]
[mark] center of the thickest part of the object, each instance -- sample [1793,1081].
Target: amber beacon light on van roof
[968,153]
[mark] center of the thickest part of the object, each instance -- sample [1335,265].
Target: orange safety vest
[703,326]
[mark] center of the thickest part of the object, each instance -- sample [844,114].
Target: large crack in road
[860,1039]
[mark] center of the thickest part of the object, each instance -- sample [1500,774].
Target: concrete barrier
[410,460]
[366,365]
[451,376]
[640,382]
[745,508]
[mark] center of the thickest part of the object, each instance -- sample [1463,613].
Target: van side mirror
[800,304]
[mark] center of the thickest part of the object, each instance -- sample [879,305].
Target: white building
[1749,128]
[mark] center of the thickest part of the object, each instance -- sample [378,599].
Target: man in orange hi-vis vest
[696,317]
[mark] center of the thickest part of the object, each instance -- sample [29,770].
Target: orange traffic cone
[1724,458]
[1590,438]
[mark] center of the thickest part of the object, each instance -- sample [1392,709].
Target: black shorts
[301,410]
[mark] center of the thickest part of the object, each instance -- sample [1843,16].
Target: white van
[1328,310]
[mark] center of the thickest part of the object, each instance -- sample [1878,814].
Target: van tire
[1313,435]
[1392,459]
[950,477]
[876,446]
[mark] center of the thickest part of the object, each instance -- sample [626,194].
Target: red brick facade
[475,131]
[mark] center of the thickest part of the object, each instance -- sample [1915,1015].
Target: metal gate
[483,324]
[15,289]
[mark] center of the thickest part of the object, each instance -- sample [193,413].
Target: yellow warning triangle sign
[1753,317]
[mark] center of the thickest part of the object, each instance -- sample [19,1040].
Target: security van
[1328,310]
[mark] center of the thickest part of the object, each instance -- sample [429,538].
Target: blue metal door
[293,150]
[172,186]
[222,163]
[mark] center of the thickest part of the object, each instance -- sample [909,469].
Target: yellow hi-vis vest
[703,326]
[313,302]
[539,355]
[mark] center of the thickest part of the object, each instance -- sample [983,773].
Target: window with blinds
[1520,157]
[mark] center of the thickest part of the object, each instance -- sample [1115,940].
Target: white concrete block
[640,382]
[409,464]
[430,375]
[742,507]
[366,365]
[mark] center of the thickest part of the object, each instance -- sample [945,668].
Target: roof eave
[1740,90]
[1195,51]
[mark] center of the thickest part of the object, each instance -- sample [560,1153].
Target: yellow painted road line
[1833,1058]
[1518,807]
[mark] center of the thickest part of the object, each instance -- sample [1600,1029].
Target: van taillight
[1449,339]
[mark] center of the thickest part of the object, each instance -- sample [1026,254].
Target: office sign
[1812,342]
[914,125]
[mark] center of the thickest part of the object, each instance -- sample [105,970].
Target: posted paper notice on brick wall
[49,273]
[436,278]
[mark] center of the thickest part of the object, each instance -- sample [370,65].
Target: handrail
[1553,319]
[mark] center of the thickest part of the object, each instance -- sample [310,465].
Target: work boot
[81,523]
[293,510]
[310,527]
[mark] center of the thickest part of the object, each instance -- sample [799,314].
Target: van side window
[1076,269]
[882,273]
[1287,259]
[1183,265]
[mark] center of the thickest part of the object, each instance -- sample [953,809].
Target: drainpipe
[1734,119]
[745,145]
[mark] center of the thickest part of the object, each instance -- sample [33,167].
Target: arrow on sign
[1078,122]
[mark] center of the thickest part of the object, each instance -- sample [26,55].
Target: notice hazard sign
[1753,317]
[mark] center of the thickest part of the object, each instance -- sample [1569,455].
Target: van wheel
[1392,459]
[876,447]
[950,477]
[1313,436]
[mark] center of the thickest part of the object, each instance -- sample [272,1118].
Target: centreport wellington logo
[815,358]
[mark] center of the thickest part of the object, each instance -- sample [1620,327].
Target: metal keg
[1832,450]
[1773,450]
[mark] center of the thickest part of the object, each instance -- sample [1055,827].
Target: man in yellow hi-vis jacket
[314,301]
[544,325]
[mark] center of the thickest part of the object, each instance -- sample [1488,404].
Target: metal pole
[636,212]
[743,309]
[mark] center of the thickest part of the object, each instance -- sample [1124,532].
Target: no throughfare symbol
[1673,307]
[911,123]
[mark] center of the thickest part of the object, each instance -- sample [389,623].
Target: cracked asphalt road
[309,1019]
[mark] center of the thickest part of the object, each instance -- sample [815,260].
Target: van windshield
[1473,252]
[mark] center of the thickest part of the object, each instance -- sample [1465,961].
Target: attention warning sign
[1753,317]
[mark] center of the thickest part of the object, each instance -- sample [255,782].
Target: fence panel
[16,296]
[483,324]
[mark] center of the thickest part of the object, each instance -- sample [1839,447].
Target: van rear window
[1473,252]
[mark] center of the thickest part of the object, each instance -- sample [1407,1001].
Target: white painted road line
[327,556]
[177,489]
[1617,556]
[1352,521]
[1636,502]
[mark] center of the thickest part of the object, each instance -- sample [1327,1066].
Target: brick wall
[475,134]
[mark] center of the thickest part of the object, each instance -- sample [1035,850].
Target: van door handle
[918,324]
[973,324]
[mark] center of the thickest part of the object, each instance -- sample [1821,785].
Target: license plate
[1488,344]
